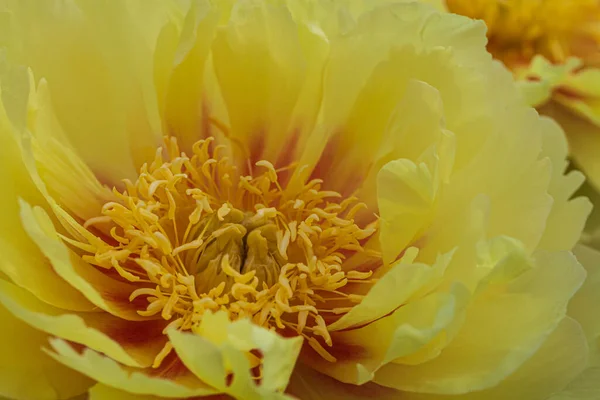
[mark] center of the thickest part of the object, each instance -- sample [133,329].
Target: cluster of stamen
[520,29]
[197,237]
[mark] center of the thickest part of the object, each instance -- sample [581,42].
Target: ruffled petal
[404,279]
[189,104]
[568,214]
[114,75]
[518,305]
[26,372]
[260,101]
[395,338]
[219,354]
[579,307]
[21,261]
[171,381]
[102,392]
[308,384]
[103,291]
[135,344]
[583,136]
[549,370]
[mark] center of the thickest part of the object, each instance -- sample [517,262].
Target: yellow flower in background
[281,199]
[553,49]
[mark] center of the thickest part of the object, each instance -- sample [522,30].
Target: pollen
[520,29]
[195,237]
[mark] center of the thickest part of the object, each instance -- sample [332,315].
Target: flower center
[197,237]
[520,29]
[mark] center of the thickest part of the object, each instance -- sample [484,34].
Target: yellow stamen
[261,252]
[520,29]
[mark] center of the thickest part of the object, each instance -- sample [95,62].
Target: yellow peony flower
[553,49]
[281,199]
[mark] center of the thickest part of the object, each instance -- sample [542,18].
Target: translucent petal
[21,261]
[179,383]
[404,280]
[583,136]
[220,347]
[362,351]
[568,215]
[114,75]
[517,307]
[26,372]
[308,384]
[103,291]
[103,392]
[131,343]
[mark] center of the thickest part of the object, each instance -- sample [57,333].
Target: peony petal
[530,300]
[579,307]
[568,215]
[102,392]
[104,292]
[134,344]
[407,193]
[108,372]
[362,351]
[308,384]
[63,172]
[261,100]
[114,75]
[404,280]
[538,79]
[556,363]
[345,96]
[26,372]
[21,261]
[584,387]
[583,136]
[581,93]
[220,347]
[182,65]
[491,173]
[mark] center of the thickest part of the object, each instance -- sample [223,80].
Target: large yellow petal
[114,75]
[221,347]
[508,162]
[568,215]
[103,392]
[26,372]
[549,370]
[135,344]
[63,172]
[174,382]
[583,136]
[558,361]
[182,63]
[404,280]
[103,291]
[584,387]
[407,195]
[21,261]
[260,101]
[308,384]
[360,352]
[346,93]
[589,294]
[517,307]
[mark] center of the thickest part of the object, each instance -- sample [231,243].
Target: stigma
[195,236]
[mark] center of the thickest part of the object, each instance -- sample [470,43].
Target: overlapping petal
[470,287]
